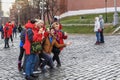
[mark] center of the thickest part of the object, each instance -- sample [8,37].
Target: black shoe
[29,78]
[58,65]
[102,42]
[34,75]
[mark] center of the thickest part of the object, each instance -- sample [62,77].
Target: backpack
[22,35]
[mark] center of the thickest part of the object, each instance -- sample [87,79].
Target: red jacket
[6,31]
[60,36]
[11,28]
[36,38]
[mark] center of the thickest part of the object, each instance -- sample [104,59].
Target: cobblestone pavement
[81,61]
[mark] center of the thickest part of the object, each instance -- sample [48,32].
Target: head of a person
[96,18]
[39,23]
[9,22]
[55,19]
[100,16]
[52,31]
[55,25]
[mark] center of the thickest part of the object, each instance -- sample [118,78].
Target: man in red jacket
[6,35]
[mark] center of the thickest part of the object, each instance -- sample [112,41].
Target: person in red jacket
[6,35]
[60,35]
[31,37]
[11,26]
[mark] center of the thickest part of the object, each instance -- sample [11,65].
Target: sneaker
[29,78]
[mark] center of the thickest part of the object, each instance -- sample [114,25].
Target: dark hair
[51,28]
[33,21]
[55,19]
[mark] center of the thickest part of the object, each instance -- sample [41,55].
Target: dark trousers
[56,58]
[6,43]
[45,59]
[21,53]
[11,38]
[101,36]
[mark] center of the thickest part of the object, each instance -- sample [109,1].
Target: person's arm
[30,34]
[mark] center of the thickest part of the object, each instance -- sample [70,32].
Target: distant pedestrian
[97,30]
[22,50]
[11,26]
[2,31]
[6,35]
[102,28]
[20,28]
[15,31]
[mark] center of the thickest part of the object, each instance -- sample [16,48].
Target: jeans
[47,60]
[98,36]
[101,36]
[30,64]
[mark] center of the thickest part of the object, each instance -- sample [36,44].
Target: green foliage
[85,29]
[86,19]
[36,47]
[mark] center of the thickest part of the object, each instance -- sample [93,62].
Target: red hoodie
[6,31]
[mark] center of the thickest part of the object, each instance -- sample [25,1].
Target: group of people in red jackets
[37,43]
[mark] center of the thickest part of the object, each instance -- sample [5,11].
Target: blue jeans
[101,36]
[47,60]
[98,36]
[30,64]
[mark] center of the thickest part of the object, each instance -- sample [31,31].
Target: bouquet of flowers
[36,47]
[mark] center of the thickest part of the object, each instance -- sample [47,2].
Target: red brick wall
[89,4]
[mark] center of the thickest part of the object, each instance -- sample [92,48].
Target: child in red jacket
[60,35]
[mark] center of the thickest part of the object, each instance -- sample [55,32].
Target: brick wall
[89,4]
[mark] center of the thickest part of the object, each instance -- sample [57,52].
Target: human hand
[68,43]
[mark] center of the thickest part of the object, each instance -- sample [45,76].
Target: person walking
[97,30]
[102,28]
[6,35]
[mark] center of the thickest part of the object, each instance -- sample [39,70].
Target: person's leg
[46,60]
[101,37]
[11,39]
[97,38]
[28,67]
[5,40]
[56,57]
[20,58]
[15,34]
